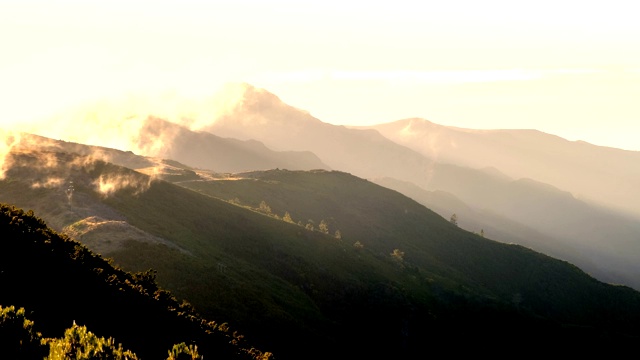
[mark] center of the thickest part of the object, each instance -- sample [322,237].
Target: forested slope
[61,283]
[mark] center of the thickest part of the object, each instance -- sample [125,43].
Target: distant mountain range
[583,196]
[606,176]
[313,239]
[207,151]
[578,199]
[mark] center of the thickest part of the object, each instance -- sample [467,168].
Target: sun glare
[344,63]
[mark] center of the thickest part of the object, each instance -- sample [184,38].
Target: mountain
[501,228]
[355,268]
[262,116]
[606,239]
[603,175]
[490,223]
[204,150]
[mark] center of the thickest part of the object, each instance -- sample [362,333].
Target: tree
[146,279]
[18,339]
[454,219]
[287,217]
[397,254]
[338,235]
[323,227]
[80,344]
[183,352]
[264,207]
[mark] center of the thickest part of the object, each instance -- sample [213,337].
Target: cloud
[8,140]
[49,183]
[403,76]
[109,184]
[45,163]
[119,122]
[457,76]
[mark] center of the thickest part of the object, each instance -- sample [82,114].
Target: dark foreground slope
[381,276]
[60,282]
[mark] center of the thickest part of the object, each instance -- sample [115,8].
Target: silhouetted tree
[454,219]
[18,339]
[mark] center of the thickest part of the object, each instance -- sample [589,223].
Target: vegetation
[451,283]
[20,341]
[454,219]
[297,293]
[79,343]
[18,338]
[62,282]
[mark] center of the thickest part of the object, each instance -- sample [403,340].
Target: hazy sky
[571,68]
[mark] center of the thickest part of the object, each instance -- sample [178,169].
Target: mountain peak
[242,95]
[258,99]
[250,107]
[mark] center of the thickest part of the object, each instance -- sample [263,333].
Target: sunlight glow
[547,65]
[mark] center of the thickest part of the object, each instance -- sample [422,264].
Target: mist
[117,122]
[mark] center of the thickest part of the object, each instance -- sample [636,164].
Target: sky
[567,68]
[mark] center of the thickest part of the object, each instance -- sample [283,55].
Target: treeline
[62,283]
[264,208]
[19,340]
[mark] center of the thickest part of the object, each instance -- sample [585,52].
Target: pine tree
[264,207]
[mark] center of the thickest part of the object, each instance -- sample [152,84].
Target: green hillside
[355,269]
[382,220]
[61,283]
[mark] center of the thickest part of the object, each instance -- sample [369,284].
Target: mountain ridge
[294,288]
[365,155]
[603,174]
